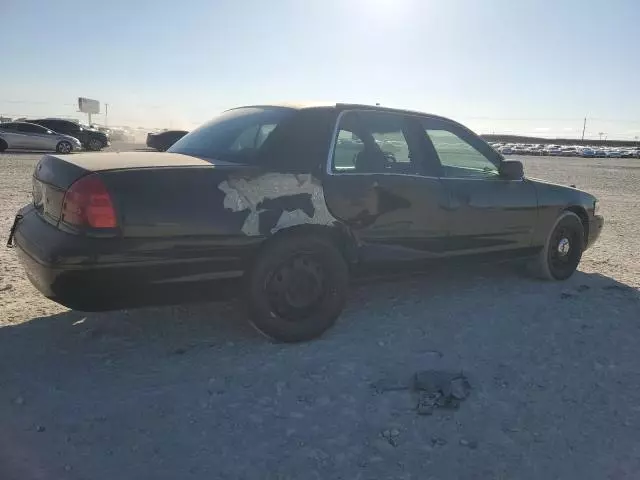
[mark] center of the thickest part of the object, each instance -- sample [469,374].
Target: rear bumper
[98,274]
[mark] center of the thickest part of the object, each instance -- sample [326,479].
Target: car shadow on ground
[225,322]
[102,389]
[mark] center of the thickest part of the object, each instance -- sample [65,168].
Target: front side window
[236,135]
[8,126]
[373,142]
[458,157]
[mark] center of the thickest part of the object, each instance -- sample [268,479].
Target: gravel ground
[193,392]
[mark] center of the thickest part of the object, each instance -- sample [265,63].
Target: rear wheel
[297,288]
[95,144]
[64,147]
[563,250]
[3,145]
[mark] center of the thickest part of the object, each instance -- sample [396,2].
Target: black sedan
[287,201]
[162,141]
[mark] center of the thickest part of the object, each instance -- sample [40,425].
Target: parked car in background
[553,150]
[29,136]
[161,141]
[587,153]
[613,153]
[600,152]
[289,201]
[90,138]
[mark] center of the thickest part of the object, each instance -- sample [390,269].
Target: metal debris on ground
[433,389]
[437,389]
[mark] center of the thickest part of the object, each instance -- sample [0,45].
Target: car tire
[297,288]
[95,144]
[3,145]
[64,147]
[563,249]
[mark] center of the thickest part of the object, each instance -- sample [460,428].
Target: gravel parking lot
[193,392]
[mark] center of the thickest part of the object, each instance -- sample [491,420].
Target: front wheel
[563,250]
[95,144]
[64,147]
[297,288]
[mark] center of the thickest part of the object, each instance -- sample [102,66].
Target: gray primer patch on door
[247,194]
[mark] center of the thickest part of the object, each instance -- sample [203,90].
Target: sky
[534,67]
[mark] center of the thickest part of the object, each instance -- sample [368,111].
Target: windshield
[236,135]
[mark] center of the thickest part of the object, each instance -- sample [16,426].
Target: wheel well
[584,218]
[3,143]
[338,235]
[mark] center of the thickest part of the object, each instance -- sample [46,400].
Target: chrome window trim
[334,139]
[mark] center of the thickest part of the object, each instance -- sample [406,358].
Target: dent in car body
[275,201]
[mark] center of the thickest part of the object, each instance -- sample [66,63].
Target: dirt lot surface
[193,392]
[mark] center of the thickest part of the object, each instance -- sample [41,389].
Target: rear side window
[236,135]
[375,142]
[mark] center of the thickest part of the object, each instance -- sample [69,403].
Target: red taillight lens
[87,203]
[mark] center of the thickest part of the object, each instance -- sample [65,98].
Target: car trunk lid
[54,174]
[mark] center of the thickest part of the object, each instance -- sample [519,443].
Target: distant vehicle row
[565,150]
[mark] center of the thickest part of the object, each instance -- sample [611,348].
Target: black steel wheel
[562,253]
[297,288]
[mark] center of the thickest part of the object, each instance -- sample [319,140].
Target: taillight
[87,203]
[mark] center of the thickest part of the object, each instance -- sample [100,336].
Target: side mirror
[511,169]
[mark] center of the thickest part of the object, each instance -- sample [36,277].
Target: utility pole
[584,126]
[106,116]
[600,134]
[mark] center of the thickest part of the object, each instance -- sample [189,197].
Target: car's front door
[486,211]
[378,184]
[36,137]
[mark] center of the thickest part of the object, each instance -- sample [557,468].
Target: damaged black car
[285,202]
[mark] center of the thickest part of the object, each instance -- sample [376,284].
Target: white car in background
[29,136]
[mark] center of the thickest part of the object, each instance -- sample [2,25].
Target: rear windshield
[236,135]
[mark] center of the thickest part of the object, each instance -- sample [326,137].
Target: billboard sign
[87,105]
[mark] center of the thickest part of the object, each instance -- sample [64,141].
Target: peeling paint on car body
[302,201]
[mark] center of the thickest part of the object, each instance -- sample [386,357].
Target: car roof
[345,106]
[23,123]
[56,119]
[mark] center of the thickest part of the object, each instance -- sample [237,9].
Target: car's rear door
[378,184]
[486,211]
[36,137]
